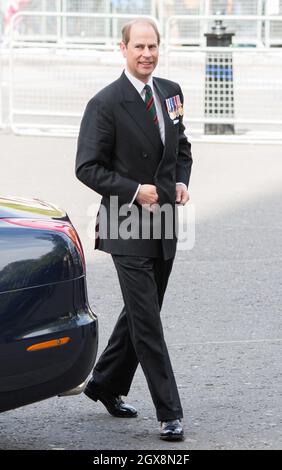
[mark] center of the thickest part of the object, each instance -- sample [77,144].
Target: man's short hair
[127,28]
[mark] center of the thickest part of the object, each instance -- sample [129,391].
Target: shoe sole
[172,438]
[122,416]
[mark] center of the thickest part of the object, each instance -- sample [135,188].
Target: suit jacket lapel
[169,127]
[135,106]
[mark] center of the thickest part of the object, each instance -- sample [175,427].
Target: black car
[48,333]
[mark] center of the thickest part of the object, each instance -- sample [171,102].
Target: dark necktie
[150,104]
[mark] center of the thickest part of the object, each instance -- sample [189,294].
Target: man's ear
[123,49]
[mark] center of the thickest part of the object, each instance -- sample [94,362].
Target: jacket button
[145,155]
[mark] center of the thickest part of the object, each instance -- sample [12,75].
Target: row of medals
[174,107]
[178,112]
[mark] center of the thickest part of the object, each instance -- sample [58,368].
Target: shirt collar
[137,83]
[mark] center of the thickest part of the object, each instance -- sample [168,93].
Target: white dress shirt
[139,86]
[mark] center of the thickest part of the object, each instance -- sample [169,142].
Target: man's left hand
[182,196]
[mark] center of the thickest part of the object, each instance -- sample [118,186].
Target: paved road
[222,312]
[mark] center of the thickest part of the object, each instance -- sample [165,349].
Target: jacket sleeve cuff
[183,184]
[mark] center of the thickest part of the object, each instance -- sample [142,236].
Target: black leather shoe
[172,430]
[114,404]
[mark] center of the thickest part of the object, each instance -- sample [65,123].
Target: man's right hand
[147,194]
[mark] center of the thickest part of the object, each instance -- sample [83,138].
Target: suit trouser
[138,335]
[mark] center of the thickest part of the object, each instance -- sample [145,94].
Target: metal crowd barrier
[51,82]
[261,37]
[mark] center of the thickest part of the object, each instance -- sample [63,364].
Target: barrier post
[219,93]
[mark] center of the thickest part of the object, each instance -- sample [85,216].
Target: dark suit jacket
[119,146]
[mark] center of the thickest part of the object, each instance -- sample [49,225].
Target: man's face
[142,51]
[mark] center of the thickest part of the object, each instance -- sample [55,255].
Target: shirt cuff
[134,197]
[183,184]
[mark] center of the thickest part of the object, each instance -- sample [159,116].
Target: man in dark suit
[133,151]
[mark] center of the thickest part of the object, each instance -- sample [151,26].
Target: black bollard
[219,92]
